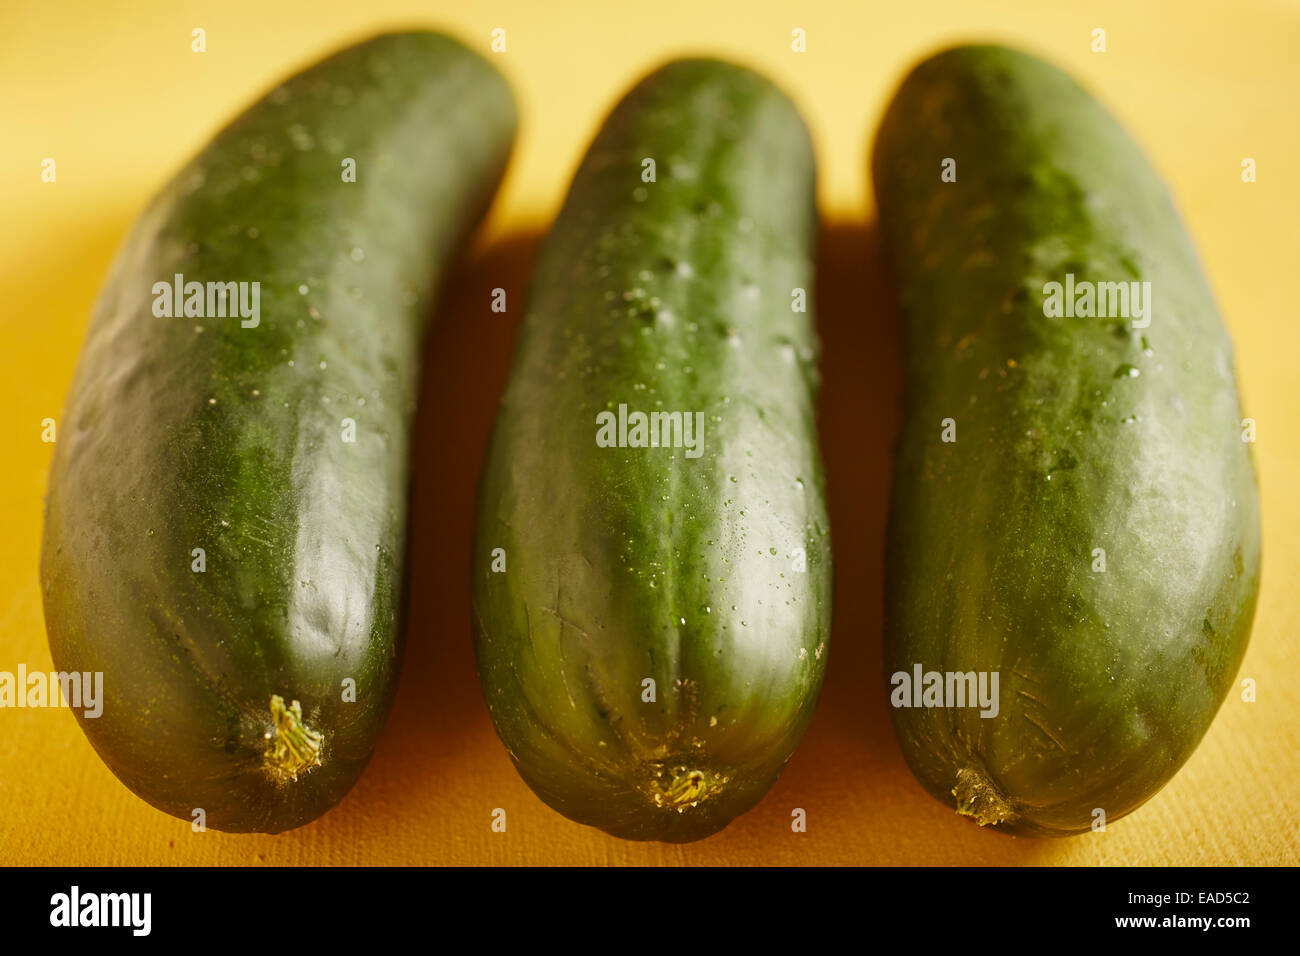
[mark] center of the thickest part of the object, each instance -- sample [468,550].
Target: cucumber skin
[608,549]
[989,564]
[147,469]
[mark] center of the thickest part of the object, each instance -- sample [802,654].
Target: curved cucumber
[225,525]
[651,623]
[1091,536]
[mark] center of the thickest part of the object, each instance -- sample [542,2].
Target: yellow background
[112,91]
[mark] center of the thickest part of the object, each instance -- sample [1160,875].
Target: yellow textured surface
[114,94]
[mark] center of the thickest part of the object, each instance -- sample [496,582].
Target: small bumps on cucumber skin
[225,687]
[625,565]
[1108,680]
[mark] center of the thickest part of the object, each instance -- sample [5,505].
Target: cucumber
[651,623]
[1092,534]
[219,542]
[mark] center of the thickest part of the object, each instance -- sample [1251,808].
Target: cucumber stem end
[294,747]
[686,787]
[980,800]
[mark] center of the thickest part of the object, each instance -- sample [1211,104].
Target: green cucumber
[651,623]
[226,519]
[1092,534]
